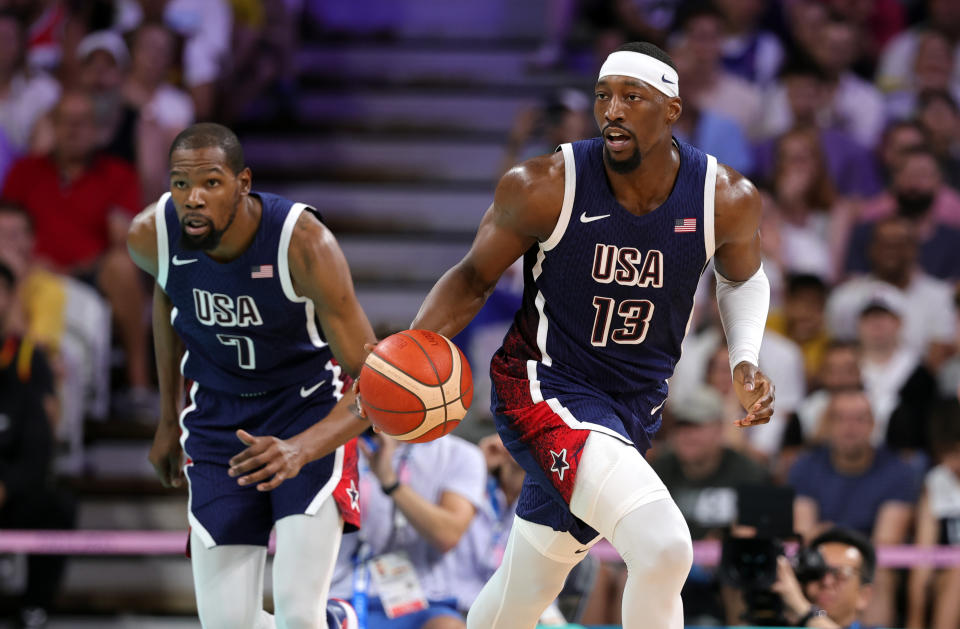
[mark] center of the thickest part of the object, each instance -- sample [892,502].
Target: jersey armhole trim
[283,260]
[163,241]
[709,195]
[569,193]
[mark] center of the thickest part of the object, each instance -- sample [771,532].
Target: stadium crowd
[846,114]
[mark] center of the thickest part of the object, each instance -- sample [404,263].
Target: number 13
[636,315]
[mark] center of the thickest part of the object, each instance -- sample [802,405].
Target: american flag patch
[684,225]
[264,270]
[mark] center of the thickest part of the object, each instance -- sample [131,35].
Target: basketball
[415,386]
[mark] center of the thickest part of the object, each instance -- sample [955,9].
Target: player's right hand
[166,455]
[267,461]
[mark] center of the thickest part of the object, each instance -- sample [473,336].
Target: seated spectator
[932,71]
[900,388]
[802,99]
[710,130]
[803,208]
[418,501]
[802,320]
[749,50]
[897,61]
[839,371]
[205,26]
[938,115]
[849,482]
[893,255]
[938,522]
[702,474]
[161,110]
[717,90]
[88,241]
[564,116]
[876,23]
[845,590]
[28,499]
[104,63]
[900,138]
[25,95]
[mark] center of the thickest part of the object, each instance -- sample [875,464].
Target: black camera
[749,564]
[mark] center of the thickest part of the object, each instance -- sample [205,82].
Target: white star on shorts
[354,496]
[560,464]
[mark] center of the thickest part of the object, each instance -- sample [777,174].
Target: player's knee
[216,615]
[665,550]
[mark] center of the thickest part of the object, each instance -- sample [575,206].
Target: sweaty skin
[208,195]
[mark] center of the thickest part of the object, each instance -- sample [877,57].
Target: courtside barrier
[706,553]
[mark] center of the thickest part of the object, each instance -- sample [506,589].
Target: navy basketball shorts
[222,512]
[547,438]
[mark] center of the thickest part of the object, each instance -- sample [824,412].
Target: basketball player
[614,232]
[253,305]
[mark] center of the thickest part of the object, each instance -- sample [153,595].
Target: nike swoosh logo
[582,550]
[589,219]
[305,392]
[178,262]
[657,407]
[666,80]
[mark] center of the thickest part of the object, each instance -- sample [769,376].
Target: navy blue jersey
[608,298]
[245,330]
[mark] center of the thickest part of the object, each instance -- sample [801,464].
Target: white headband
[653,72]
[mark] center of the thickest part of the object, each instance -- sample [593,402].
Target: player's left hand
[275,460]
[755,392]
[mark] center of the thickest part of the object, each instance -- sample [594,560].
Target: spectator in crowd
[749,51]
[701,125]
[205,26]
[893,254]
[876,22]
[849,482]
[802,99]
[938,522]
[856,105]
[418,501]
[25,95]
[714,88]
[839,371]
[702,474]
[932,70]
[104,63]
[900,388]
[101,194]
[897,61]
[900,138]
[803,320]
[161,111]
[28,499]
[938,115]
[841,596]
[918,194]
[803,208]
[564,116]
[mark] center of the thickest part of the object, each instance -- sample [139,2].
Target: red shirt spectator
[72,218]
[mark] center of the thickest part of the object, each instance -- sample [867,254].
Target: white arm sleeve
[743,312]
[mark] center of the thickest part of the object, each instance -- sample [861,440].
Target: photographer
[831,585]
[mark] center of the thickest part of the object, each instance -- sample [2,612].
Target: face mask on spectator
[913,204]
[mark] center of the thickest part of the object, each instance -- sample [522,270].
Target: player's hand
[166,455]
[755,392]
[359,410]
[267,461]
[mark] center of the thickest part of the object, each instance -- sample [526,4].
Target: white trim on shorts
[163,240]
[195,525]
[283,270]
[327,490]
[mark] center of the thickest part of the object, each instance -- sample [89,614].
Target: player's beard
[622,166]
[210,240]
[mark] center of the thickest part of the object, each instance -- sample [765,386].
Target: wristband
[815,612]
[389,489]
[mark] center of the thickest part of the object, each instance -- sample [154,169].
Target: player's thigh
[308,544]
[613,479]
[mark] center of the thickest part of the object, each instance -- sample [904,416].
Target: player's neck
[241,233]
[645,189]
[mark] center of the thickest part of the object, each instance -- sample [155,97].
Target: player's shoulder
[737,204]
[142,238]
[531,179]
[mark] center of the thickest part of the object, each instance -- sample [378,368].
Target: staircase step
[387,259]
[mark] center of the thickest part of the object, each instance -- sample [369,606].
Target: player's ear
[674,109]
[245,179]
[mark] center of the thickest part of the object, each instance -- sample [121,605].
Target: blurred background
[395,119]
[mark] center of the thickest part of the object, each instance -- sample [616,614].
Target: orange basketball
[416,385]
